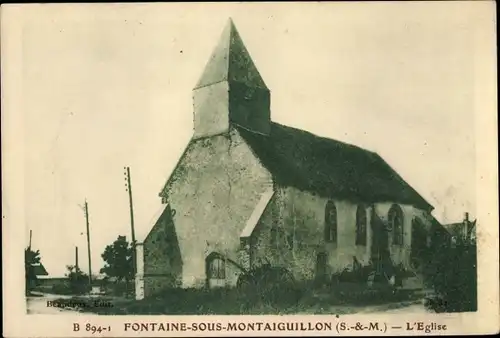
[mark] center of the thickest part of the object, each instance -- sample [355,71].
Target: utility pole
[86,209]
[31,234]
[76,258]
[128,188]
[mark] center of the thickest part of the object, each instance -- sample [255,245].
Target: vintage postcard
[249,169]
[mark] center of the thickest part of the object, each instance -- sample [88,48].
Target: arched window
[396,224]
[330,222]
[361,225]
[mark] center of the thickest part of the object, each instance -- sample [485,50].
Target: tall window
[273,239]
[396,224]
[330,222]
[217,269]
[361,225]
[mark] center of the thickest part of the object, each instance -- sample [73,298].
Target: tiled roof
[329,167]
[39,269]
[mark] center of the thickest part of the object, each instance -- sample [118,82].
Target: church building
[248,191]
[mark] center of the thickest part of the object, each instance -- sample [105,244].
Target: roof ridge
[323,137]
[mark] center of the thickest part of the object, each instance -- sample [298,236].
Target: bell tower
[230,90]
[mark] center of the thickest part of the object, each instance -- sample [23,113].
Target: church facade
[248,191]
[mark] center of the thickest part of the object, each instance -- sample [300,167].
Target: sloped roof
[257,213]
[48,277]
[142,235]
[473,226]
[454,228]
[459,228]
[230,61]
[439,228]
[329,167]
[39,269]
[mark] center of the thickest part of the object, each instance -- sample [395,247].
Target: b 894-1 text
[91,328]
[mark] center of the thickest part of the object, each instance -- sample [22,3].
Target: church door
[215,271]
[321,262]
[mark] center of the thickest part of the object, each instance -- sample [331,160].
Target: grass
[238,301]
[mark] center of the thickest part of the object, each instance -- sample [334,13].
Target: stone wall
[213,190]
[402,253]
[298,218]
[163,263]
[211,110]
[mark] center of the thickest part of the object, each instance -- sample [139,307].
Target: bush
[61,289]
[453,276]
[272,285]
[78,281]
[119,288]
[357,275]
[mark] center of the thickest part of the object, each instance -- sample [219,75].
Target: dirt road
[397,309]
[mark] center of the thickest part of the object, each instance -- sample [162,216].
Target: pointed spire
[230,61]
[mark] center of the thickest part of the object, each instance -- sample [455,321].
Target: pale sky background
[106,86]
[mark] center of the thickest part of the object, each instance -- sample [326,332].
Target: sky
[108,86]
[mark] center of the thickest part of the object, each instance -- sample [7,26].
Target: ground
[37,304]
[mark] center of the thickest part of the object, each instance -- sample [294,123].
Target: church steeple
[230,61]
[230,90]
